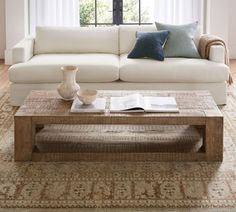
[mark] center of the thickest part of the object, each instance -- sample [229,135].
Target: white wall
[218,18]
[232,29]
[221,22]
[2,29]
[16,24]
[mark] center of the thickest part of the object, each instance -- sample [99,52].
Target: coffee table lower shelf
[25,149]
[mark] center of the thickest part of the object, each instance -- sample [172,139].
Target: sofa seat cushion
[172,70]
[45,68]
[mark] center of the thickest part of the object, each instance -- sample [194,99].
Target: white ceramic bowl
[87,96]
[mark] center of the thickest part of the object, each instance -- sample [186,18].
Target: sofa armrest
[217,54]
[23,51]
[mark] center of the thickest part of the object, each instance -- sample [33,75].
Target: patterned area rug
[116,184]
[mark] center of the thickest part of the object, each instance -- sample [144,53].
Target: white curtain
[54,13]
[178,11]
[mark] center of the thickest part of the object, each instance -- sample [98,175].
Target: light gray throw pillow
[181,40]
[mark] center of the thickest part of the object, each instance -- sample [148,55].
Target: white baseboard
[232,51]
[8,57]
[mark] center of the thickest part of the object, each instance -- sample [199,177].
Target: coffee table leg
[214,139]
[24,138]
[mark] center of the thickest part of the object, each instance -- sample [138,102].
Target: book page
[160,104]
[124,103]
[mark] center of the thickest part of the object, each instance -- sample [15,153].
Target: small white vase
[68,88]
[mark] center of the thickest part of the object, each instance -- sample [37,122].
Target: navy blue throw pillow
[149,44]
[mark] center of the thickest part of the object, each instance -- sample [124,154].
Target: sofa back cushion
[128,36]
[77,40]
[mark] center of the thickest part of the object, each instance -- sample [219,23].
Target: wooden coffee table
[45,107]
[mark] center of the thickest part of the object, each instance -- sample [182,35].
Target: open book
[139,103]
[98,106]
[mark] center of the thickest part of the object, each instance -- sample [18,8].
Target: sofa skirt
[18,92]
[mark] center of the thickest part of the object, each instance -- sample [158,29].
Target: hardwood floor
[4,81]
[233,69]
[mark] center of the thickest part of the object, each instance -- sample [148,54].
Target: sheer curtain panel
[53,13]
[178,11]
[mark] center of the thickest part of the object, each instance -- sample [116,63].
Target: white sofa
[101,55]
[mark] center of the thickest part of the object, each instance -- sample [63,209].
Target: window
[113,12]
[110,12]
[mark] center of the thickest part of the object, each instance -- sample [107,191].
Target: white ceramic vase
[68,88]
